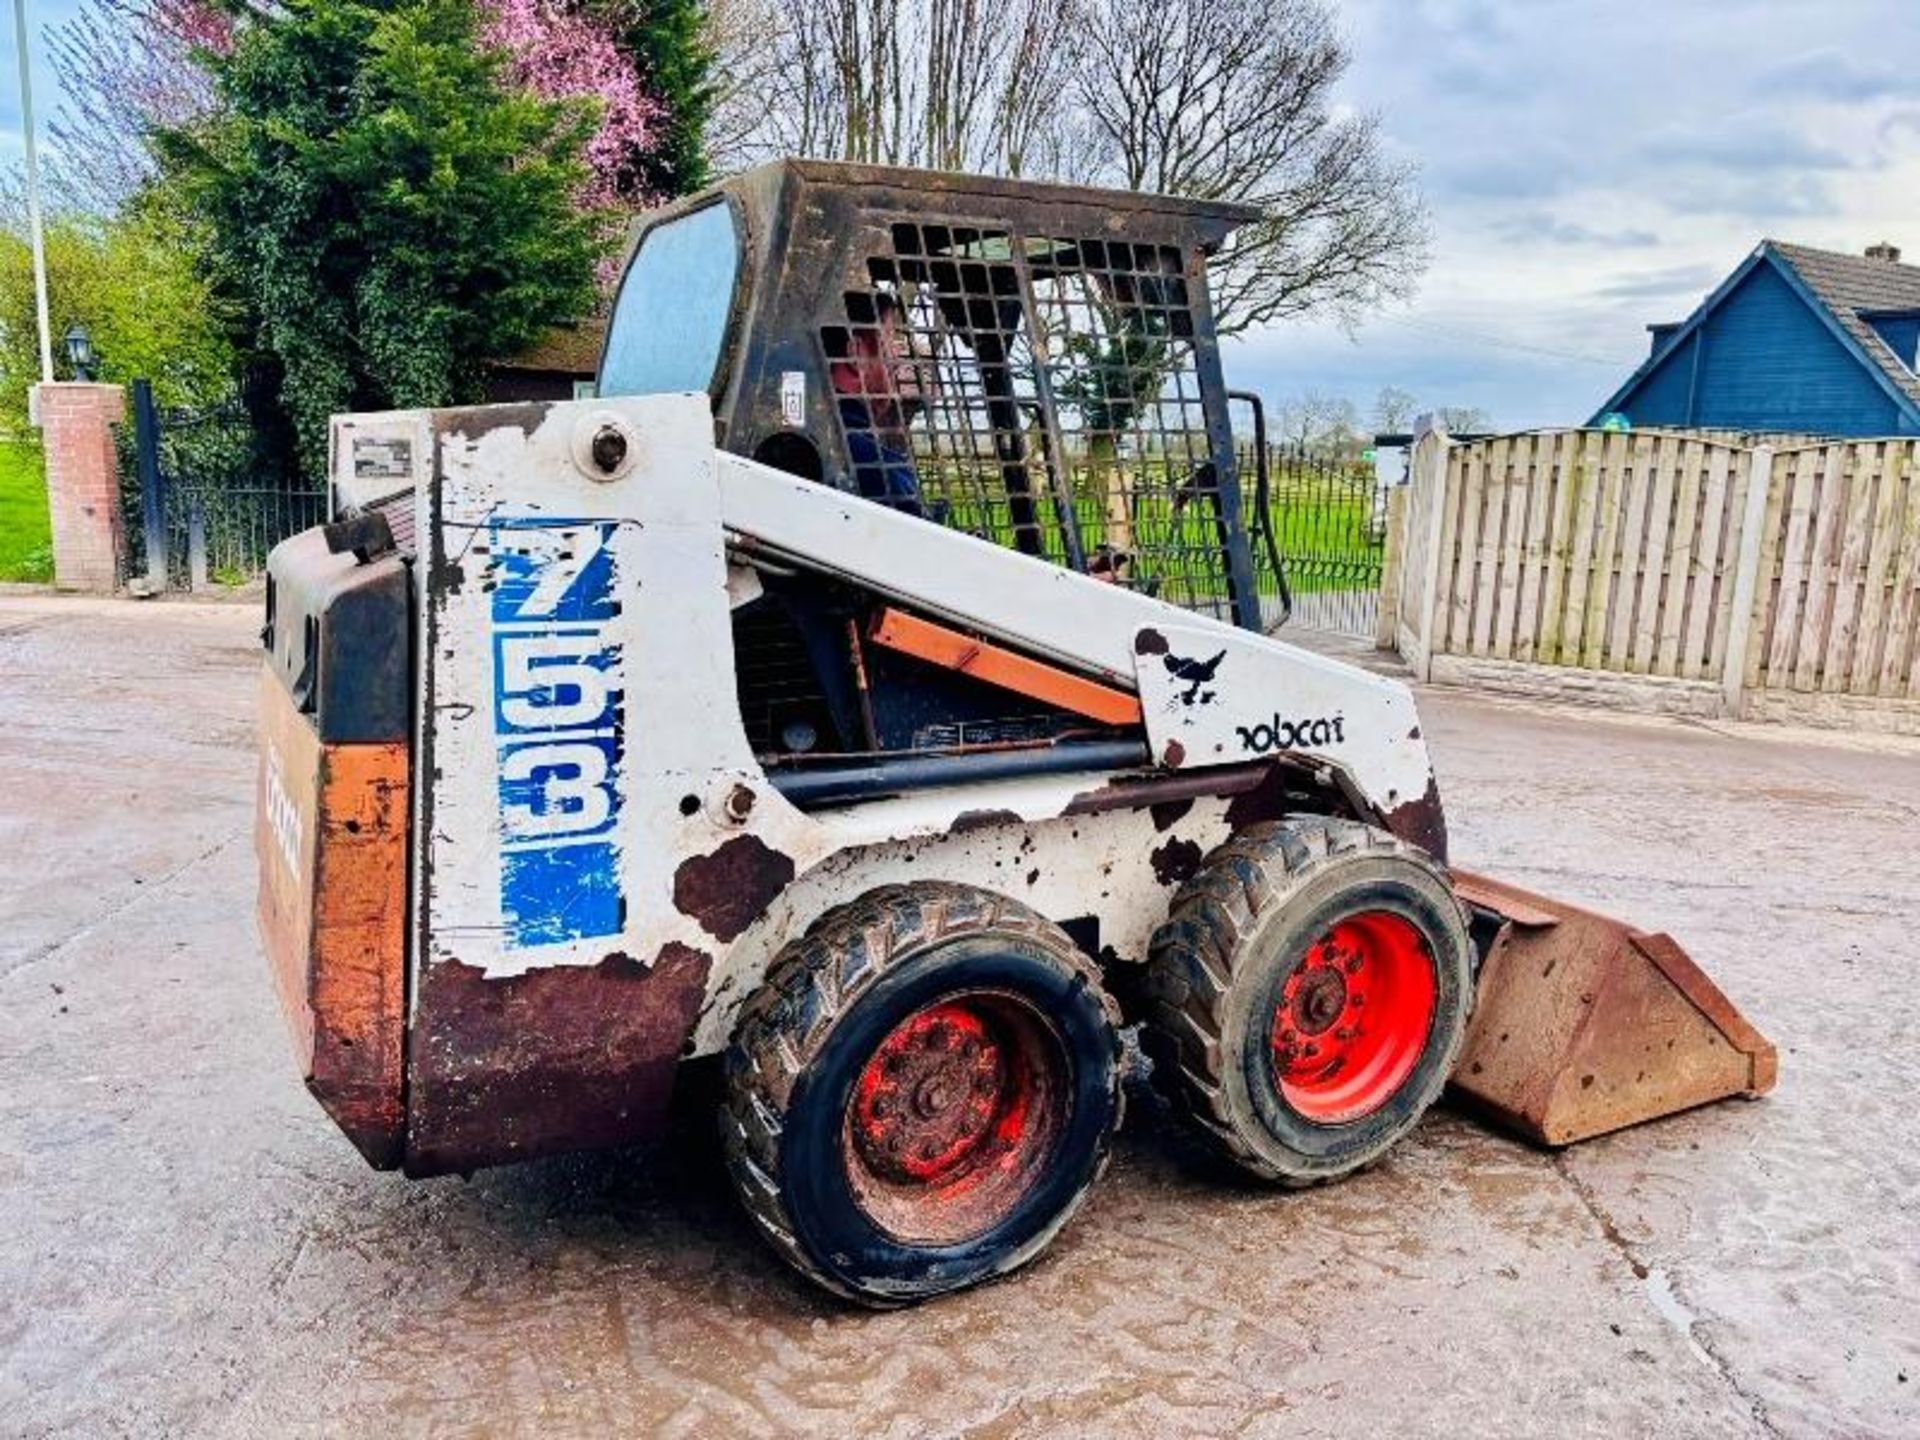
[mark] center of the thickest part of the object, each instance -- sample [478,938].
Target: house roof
[1840,289]
[572,348]
[1850,285]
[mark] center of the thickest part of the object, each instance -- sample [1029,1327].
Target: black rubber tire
[803,1038]
[1216,968]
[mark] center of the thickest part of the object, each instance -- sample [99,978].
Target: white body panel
[1105,631]
[586,786]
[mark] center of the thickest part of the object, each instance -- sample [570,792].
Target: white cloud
[1592,168]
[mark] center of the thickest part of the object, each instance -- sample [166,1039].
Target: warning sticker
[793,398]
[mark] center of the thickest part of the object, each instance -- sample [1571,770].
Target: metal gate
[204,503]
[1324,520]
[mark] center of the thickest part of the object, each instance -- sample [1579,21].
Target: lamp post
[79,350]
[33,193]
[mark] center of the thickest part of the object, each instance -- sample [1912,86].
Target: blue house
[1794,340]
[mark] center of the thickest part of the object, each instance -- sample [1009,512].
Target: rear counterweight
[332,828]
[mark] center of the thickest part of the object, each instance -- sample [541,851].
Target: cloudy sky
[1589,167]
[41,16]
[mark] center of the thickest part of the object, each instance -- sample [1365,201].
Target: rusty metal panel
[565,1058]
[1583,1025]
[331,836]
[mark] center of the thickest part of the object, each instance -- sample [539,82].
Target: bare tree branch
[1234,100]
[1219,99]
[945,84]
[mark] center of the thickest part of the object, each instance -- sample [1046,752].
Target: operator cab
[1035,364]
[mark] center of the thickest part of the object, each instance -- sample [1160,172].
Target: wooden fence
[1707,576]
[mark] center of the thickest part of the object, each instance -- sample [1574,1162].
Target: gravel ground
[191,1249]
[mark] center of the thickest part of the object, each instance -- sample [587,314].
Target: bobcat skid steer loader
[872,685]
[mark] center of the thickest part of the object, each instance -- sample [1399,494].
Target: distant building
[1795,340]
[560,365]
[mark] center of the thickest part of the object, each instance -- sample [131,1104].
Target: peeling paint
[1176,861]
[1167,813]
[727,889]
[968,820]
[1422,822]
[479,421]
[1269,799]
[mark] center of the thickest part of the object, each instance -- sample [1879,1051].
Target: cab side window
[671,316]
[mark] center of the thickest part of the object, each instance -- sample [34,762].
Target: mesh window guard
[1041,392]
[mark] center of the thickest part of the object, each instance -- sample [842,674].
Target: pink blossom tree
[126,66]
[560,51]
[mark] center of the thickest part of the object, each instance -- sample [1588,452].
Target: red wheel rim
[954,1116]
[1353,1018]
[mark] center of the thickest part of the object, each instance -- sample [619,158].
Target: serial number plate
[375,458]
[558,698]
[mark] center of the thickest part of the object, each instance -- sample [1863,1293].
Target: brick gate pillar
[83,484]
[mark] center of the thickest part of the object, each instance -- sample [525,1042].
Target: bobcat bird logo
[1197,674]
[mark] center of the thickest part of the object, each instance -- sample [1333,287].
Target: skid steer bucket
[1584,1025]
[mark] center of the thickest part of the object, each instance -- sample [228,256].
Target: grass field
[1326,537]
[26,542]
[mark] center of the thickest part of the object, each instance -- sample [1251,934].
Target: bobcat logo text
[1310,734]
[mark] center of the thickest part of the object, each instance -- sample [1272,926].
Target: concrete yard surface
[190,1248]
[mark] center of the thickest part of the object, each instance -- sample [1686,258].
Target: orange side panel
[952,650]
[331,839]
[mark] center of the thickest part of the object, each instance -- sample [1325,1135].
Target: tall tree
[1463,419]
[751,47]
[672,44]
[134,281]
[562,50]
[1316,420]
[390,210]
[946,84]
[1220,99]
[1393,410]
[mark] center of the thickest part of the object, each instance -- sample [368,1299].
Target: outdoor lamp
[79,350]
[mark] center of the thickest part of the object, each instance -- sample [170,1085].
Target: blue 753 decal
[558,724]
